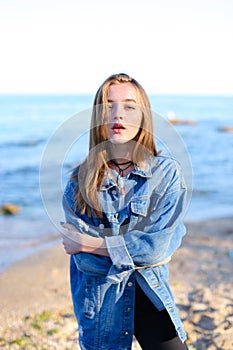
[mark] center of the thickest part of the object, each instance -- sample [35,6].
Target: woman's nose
[118,112]
[118,117]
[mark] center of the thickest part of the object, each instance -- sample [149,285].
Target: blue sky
[71,46]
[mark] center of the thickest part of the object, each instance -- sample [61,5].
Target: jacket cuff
[122,263]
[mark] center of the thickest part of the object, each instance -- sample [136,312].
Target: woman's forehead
[122,92]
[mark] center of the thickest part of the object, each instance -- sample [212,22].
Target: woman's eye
[129,107]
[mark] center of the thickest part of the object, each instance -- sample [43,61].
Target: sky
[181,47]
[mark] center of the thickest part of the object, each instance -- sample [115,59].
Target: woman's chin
[119,140]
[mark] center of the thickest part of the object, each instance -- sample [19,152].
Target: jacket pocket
[139,205]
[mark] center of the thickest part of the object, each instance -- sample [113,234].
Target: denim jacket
[142,229]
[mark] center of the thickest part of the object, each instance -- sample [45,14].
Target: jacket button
[130,284]
[170,308]
[114,192]
[101,226]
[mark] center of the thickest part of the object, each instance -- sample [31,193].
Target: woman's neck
[121,158]
[121,152]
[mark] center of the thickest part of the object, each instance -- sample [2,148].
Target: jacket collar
[144,172]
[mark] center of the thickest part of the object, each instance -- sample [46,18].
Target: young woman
[124,206]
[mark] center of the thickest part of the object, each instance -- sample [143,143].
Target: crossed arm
[75,242]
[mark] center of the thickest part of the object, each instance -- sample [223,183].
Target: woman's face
[124,113]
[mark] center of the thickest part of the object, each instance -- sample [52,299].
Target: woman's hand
[72,240]
[75,242]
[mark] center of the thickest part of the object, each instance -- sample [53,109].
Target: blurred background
[54,56]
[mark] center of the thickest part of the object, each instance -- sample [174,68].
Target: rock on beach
[227,129]
[9,209]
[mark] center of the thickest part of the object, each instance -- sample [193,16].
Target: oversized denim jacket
[142,229]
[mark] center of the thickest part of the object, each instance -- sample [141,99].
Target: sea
[30,126]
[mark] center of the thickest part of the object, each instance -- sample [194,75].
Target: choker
[120,181]
[118,165]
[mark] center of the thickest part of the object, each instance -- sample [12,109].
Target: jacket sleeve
[85,262]
[157,236]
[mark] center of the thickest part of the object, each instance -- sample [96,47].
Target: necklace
[121,170]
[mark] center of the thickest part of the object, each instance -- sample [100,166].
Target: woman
[124,205]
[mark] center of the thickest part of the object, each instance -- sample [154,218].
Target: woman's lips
[117,127]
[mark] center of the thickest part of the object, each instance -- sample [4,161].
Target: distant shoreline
[18,248]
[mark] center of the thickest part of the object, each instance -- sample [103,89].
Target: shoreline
[21,237]
[36,307]
[17,246]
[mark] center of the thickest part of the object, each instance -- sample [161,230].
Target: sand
[36,308]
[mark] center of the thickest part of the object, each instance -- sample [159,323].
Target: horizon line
[92,94]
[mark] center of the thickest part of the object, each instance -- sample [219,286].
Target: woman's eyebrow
[125,100]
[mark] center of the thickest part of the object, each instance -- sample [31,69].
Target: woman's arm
[75,242]
[143,245]
[149,244]
[153,240]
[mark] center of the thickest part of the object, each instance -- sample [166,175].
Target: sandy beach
[36,308]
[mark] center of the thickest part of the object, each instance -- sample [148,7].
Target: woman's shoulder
[166,161]
[171,170]
[74,172]
[72,181]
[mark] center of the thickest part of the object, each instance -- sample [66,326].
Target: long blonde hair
[91,172]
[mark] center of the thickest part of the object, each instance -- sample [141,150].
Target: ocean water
[27,123]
